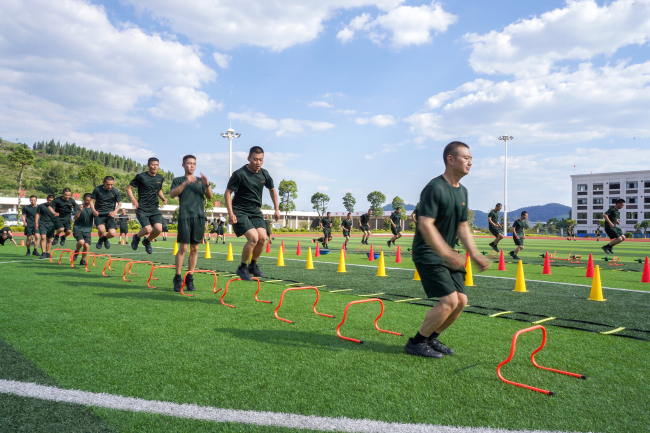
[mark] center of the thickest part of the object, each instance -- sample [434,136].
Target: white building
[593,194]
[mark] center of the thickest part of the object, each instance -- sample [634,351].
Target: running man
[395,225]
[165,229]
[364,220]
[213,229]
[123,224]
[346,226]
[106,202]
[63,208]
[244,210]
[442,215]
[83,228]
[494,226]
[572,234]
[612,220]
[44,225]
[5,233]
[147,211]
[269,229]
[326,226]
[191,192]
[221,229]
[518,234]
[29,220]
[598,233]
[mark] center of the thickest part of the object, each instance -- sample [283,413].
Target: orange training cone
[298,252]
[646,272]
[371,256]
[590,267]
[282,246]
[317,254]
[22,243]
[343,250]
[547,265]
[502,263]
[268,246]
[398,256]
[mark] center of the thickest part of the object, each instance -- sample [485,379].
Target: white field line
[206,413]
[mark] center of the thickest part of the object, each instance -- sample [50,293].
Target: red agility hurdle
[151,274]
[614,262]
[345,313]
[299,288]
[532,358]
[259,286]
[111,260]
[196,272]
[129,266]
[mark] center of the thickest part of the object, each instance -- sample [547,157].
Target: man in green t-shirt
[495,226]
[346,226]
[149,184]
[269,229]
[364,221]
[82,229]
[442,216]
[165,229]
[122,222]
[221,229]
[395,225]
[598,233]
[63,208]
[191,192]
[612,220]
[44,224]
[326,226]
[28,216]
[106,202]
[571,233]
[245,212]
[518,234]
[5,234]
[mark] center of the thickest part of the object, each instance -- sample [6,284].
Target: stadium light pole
[505,139]
[230,134]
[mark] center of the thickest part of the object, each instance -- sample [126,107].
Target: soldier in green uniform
[364,220]
[82,230]
[326,226]
[63,208]
[105,202]
[244,210]
[612,220]
[123,224]
[269,229]
[414,214]
[29,220]
[165,229]
[395,225]
[149,184]
[5,233]
[571,233]
[346,225]
[221,229]
[518,234]
[44,224]
[191,192]
[598,233]
[494,226]
[442,215]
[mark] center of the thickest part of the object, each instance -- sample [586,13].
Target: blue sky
[344,95]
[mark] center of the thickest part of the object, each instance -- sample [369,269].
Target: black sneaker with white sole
[243,273]
[255,270]
[147,246]
[439,347]
[421,349]
[135,241]
[189,282]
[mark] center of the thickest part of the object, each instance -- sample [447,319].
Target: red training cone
[344,248]
[268,246]
[590,267]
[317,254]
[398,256]
[298,252]
[502,262]
[466,258]
[646,272]
[282,246]
[371,256]
[547,265]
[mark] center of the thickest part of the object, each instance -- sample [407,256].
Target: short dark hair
[523,212]
[349,213]
[329,212]
[398,207]
[87,195]
[620,200]
[370,210]
[33,196]
[186,157]
[107,178]
[51,196]
[255,149]
[152,159]
[66,190]
[452,149]
[498,204]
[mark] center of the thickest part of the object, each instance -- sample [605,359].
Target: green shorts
[124,230]
[82,236]
[327,233]
[495,231]
[221,231]
[148,218]
[346,233]
[613,232]
[247,222]
[62,222]
[365,228]
[46,230]
[439,280]
[191,230]
[519,242]
[165,229]
[395,230]
[30,230]
[107,221]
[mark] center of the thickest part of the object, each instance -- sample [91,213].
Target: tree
[349,202]
[376,200]
[470,219]
[209,204]
[55,179]
[319,202]
[288,192]
[21,157]
[92,173]
[644,225]
[397,202]
[175,215]
[571,222]
[538,226]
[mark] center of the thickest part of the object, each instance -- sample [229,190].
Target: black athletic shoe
[255,270]
[224,242]
[494,247]
[178,283]
[605,248]
[242,272]
[439,347]
[107,244]
[135,242]
[55,241]
[48,255]
[512,254]
[62,240]
[35,253]
[516,257]
[75,256]
[29,253]
[43,256]
[189,283]
[421,349]
[82,262]
[610,250]
[388,244]
[147,246]
[99,244]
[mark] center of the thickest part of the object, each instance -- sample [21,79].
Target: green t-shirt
[191,200]
[122,221]
[105,201]
[84,224]
[396,218]
[220,222]
[494,216]
[518,227]
[7,231]
[148,187]
[248,188]
[613,214]
[365,219]
[164,223]
[326,222]
[46,217]
[416,210]
[64,208]
[30,214]
[346,224]
[448,206]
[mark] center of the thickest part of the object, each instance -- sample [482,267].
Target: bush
[15,229]
[303,225]
[629,235]
[2,222]
[171,227]
[412,225]
[387,224]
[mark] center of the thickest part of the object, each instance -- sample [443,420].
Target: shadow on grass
[167,295]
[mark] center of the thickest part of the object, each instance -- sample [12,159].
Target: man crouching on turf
[442,215]
[244,210]
[82,229]
[191,193]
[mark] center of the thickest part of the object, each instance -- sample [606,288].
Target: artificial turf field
[76,330]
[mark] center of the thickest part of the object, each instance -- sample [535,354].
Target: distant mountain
[535,213]
[406,207]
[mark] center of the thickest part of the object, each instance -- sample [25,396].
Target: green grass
[78,330]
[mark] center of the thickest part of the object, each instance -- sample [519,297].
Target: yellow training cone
[175,248]
[342,261]
[310,262]
[229,258]
[416,277]
[520,285]
[207,251]
[280,257]
[469,278]
[381,269]
[596,287]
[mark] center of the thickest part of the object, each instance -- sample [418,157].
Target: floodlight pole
[505,139]
[230,134]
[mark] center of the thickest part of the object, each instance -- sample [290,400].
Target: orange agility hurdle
[151,274]
[614,262]
[95,258]
[299,288]
[345,313]
[129,266]
[63,251]
[259,286]
[111,260]
[532,358]
[195,272]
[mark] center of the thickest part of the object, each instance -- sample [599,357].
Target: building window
[582,187]
[598,200]
[612,200]
[582,216]
[646,215]
[598,186]
[615,185]
[631,200]
[582,201]
[631,215]
[598,215]
[646,200]
[632,185]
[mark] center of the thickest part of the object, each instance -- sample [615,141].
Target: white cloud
[345,35]
[321,104]
[323,188]
[344,112]
[380,120]
[283,126]
[182,104]
[223,60]
[332,95]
